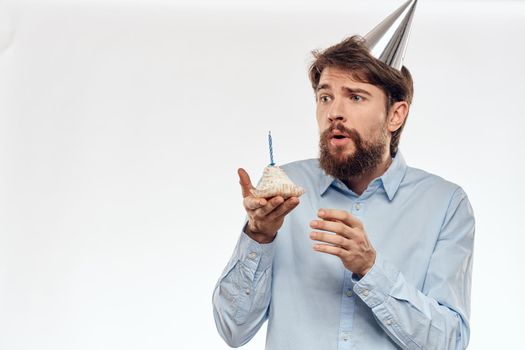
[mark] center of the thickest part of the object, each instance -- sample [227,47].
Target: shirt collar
[391,179]
[326,181]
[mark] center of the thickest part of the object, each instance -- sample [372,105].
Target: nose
[335,113]
[337,117]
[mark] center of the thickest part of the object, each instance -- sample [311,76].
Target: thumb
[246,184]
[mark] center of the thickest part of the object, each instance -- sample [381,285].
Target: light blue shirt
[416,296]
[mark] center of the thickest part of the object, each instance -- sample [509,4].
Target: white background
[122,124]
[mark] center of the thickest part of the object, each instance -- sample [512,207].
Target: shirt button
[358,206]
[345,337]
[388,322]
[247,291]
[252,255]
[365,292]
[349,293]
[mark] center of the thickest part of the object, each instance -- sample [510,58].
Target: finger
[246,183]
[253,203]
[271,204]
[329,238]
[284,208]
[329,249]
[332,226]
[339,215]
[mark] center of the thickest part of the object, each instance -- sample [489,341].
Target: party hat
[389,39]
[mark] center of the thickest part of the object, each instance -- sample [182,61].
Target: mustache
[352,133]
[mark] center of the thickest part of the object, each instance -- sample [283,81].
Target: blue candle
[271,148]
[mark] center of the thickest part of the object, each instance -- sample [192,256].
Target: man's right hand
[265,215]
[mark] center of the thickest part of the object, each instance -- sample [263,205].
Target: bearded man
[377,255]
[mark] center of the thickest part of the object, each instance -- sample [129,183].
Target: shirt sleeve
[242,295]
[435,317]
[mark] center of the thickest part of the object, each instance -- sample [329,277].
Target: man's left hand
[350,242]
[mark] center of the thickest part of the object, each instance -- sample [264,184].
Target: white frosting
[275,182]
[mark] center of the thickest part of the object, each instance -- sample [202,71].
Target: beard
[366,157]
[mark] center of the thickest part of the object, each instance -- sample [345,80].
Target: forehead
[337,78]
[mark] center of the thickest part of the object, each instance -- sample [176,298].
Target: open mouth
[339,138]
[339,135]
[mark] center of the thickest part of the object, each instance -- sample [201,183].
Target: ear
[397,115]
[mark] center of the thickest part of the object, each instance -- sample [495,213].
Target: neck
[359,184]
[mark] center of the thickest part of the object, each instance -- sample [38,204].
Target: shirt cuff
[374,287]
[254,255]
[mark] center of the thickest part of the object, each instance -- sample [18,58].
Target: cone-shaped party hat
[389,39]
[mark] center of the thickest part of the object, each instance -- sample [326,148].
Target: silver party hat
[389,39]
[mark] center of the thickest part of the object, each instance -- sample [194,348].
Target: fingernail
[312,234]
[313,223]
[321,212]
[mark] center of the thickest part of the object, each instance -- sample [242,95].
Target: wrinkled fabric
[416,296]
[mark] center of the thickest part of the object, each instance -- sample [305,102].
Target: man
[377,255]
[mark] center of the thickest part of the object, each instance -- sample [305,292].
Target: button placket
[357,208]
[347,312]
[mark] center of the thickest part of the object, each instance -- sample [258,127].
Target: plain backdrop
[122,124]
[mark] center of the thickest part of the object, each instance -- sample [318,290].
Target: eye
[356,98]
[324,98]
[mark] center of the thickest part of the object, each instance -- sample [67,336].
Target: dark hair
[353,56]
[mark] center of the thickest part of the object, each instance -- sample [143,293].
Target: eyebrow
[350,90]
[323,86]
